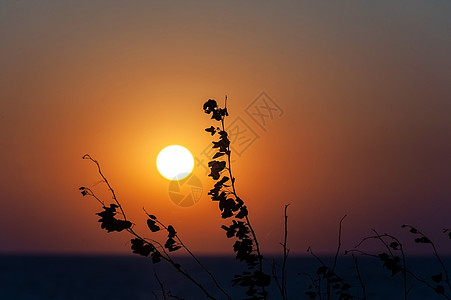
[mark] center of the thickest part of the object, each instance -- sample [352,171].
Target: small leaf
[394,245]
[174,248]
[211,129]
[218,154]
[171,231]
[210,106]
[437,278]
[217,115]
[141,247]
[216,167]
[440,289]
[152,226]
[243,212]
[413,230]
[423,240]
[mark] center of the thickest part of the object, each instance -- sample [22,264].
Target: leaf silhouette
[226,204]
[171,245]
[227,214]
[440,289]
[216,115]
[109,222]
[423,240]
[210,106]
[218,154]
[152,226]
[394,245]
[216,167]
[222,144]
[152,217]
[141,247]
[437,278]
[219,197]
[171,231]
[211,129]
[243,213]
[230,231]
[243,230]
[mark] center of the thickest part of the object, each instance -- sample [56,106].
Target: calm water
[133,277]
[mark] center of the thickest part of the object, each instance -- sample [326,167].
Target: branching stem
[166,256]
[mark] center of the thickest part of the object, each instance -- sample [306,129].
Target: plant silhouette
[145,246]
[326,283]
[232,206]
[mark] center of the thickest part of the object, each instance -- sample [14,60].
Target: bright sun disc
[175,162]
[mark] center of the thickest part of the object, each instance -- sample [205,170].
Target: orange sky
[364,89]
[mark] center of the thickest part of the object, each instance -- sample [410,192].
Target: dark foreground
[133,277]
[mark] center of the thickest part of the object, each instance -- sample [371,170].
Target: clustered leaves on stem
[232,206]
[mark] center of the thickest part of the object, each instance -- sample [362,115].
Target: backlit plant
[325,284]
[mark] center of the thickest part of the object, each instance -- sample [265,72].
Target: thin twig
[339,243]
[131,231]
[285,255]
[161,286]
[402,254]
[359,276]
[403,267]
[89,192]
[195,258]
[437,256]
[87,156]
[276,279]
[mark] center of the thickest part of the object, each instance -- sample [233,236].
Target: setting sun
[175,162]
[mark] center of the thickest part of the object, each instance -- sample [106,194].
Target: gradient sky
[364,86]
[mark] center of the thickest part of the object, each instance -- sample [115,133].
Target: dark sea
[133,277]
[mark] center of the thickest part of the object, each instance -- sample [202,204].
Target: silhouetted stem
[190,278]
[89,192]
[174,264]
[359,276]
[309,249]
[257,247]
[339,242]
[403,268]
[131,231]
[285,255]
[196,259]
[437,256]
[274,274]
[87,156]
[161,286]
[254,236]
[404,277]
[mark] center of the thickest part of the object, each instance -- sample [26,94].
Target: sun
[175,162]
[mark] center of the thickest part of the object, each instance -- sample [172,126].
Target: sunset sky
[361,119]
